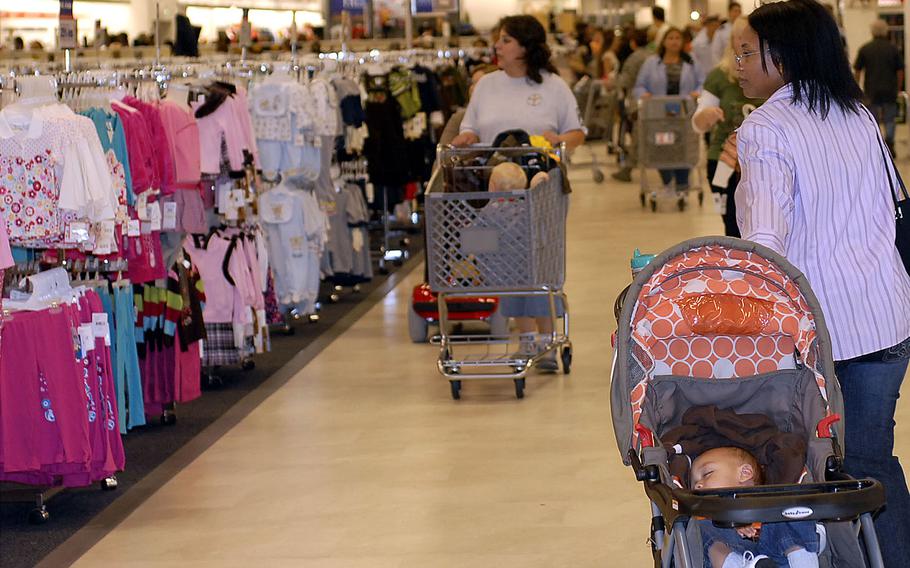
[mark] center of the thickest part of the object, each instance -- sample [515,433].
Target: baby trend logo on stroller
[721,322]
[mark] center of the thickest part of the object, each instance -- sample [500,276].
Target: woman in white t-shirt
[526,94]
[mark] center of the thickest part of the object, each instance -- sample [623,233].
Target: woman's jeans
[681,176]
[871,390]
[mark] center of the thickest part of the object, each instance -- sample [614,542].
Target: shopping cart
[667,141]
[598,106]
[509,243]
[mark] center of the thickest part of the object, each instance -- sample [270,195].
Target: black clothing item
[731,228]
[428,85]
[879,60]
[187,43]
[385,147]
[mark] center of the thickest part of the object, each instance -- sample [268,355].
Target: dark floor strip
[155,454]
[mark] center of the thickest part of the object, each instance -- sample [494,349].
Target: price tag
[86,338]
[132,228]
[101,328]
[142,206]
[664,138]
[154,215]
[78,232]
[106,241]
[169,222]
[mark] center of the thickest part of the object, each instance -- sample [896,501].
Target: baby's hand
[747,532]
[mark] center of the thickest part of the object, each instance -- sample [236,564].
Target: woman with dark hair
[671,72]
[815,188]
[526,94]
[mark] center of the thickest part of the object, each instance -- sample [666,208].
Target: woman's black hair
[662,50]
[530,35]
[805,43]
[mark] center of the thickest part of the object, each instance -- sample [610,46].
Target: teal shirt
[113,137]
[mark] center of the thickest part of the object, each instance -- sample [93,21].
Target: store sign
[434,6]
[67,25]
[336,7]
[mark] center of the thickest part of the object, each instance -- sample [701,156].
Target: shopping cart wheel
[641,196]
[38,516]
[519,388]
[598,176]
[109,483]
[456,389]
[654,206]
[566,357]
[248,364]
[681,203]
[701,198]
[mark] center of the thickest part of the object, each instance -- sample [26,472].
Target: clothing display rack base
[18,493]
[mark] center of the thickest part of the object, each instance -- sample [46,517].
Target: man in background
[881,63]
[722,37]
[702,48]
[660,25]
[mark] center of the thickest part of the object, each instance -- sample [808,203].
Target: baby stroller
[722,321]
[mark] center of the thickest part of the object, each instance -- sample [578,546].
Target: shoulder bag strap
[889,159]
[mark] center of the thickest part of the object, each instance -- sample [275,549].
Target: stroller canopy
[716,308]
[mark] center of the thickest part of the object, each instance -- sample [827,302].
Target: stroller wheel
[519,388]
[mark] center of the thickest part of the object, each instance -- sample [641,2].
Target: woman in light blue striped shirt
[815,188]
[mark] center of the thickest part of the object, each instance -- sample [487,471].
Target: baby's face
[720,467]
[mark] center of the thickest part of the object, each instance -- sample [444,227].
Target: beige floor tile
[363,459]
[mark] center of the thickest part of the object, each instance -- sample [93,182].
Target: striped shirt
[816,191]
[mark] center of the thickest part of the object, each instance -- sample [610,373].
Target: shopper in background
[702,47]
[659,27]
[722,107]
[883,66]
[525,94]
[722,37]
[670,72]
[815,188]
[628,74]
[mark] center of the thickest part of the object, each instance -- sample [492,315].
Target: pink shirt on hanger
[183,135]
[222,124]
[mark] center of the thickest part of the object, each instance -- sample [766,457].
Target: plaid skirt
[218,347]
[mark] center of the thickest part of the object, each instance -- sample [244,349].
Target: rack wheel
[456,389]
[213,382]
[168,418]
[383,270]
[109,483]
[288,330]
[519,388]
[654,206]
[248,364]
[356,288]
[38,516]
[566,356]
[334,298]
[312,318]
[598,176]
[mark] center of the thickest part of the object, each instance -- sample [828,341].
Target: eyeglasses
[739,58]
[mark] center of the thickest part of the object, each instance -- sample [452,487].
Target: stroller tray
[830,500]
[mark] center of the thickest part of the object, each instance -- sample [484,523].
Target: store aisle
[363,459]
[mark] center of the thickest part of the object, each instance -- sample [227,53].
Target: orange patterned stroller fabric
[719,313]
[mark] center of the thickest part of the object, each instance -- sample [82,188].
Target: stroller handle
[824,501]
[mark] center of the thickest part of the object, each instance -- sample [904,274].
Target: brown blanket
[782,455]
